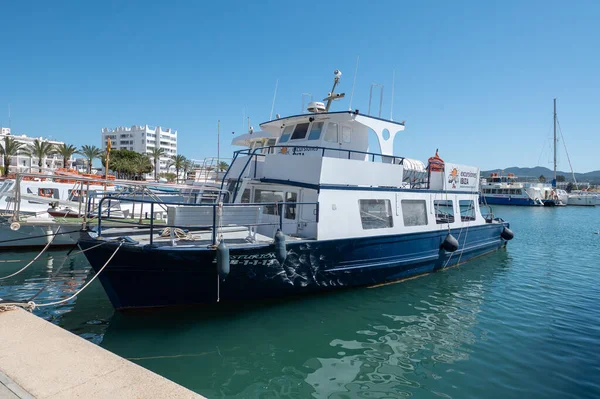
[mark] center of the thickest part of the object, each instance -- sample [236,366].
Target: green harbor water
[521,322]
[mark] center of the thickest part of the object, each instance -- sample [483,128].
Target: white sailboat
[576,198]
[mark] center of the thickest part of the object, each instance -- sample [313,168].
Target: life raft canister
[435,163]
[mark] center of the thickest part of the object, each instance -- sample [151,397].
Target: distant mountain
[592,177]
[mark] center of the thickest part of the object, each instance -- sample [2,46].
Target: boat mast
[554,180]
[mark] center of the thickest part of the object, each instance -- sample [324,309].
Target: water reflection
[382,342]
[52,277]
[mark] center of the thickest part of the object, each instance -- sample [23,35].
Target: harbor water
[521,322]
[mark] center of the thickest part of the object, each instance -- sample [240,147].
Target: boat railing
[83,183]
[279,209]
[254,153]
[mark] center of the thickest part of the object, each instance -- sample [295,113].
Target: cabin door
[333,139]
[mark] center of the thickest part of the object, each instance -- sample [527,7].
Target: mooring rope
[67,257]
[30,305]
[34,259]
[179,233]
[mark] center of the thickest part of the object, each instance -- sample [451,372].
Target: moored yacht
[507,190]
[315,211]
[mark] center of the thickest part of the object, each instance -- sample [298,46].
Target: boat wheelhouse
[313,211]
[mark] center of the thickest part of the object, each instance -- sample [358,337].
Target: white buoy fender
[450,244]
[507,234]
[222,260]
[280,247]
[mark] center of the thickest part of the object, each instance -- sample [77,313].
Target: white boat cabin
[324,158]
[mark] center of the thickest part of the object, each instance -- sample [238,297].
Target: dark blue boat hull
[508,201]
[169,276]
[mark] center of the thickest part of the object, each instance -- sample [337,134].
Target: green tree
[560,178]
[8,149]
[66,151]
[169,176]
[40,149]
[128,164]
[187,166]
[223,166]
[178,162]
[542,179]
[90,152]
[156,153]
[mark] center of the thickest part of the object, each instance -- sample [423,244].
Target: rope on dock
[30,305]
[34,259]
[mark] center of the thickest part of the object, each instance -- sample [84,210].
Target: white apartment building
[143,139]
[25,163]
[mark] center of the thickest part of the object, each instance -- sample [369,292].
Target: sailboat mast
[554,180]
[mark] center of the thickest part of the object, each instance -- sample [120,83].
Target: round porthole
[385,134]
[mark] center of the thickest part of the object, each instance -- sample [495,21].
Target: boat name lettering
[301,150]
[251,259]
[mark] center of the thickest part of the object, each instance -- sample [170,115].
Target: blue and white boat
[507,190]
[314,212]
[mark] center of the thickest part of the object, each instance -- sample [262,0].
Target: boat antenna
[332,96]
[380,97]
[353,84]
[392,106]
[274,96]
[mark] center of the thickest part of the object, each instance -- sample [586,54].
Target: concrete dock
[41,360]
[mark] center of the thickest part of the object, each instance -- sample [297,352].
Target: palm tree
[187,166]
[90,152]
[177,161]
[66,151]
[156,153]
[223,166]
[40,149]
[8,149]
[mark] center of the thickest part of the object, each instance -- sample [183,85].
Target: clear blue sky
[474,78]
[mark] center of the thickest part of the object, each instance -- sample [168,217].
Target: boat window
[467,210]
[48,192]
[494,191]
[246,196]
[269,196]
[375,213]
[346,134]
[414,212]
[270,143]
[300,131]
[315,131]
[74,195]
[290,210]
[331,134]
[285,136]
[444,211]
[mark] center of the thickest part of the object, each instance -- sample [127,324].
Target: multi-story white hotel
[143,139]
[25,163]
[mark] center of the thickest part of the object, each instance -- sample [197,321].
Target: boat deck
[232,235]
